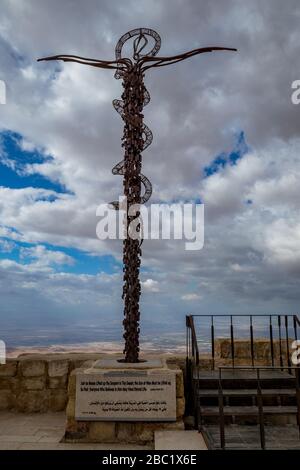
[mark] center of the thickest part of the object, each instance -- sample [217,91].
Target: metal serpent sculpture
[140,89]
[136,138]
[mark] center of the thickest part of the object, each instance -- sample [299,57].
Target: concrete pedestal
[99,420]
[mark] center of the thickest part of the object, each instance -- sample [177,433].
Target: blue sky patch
[231,158]
[84,263]
[13,160]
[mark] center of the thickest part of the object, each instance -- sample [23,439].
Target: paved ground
[248,437]
[43,432]
[178,440]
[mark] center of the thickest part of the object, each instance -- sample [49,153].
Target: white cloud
[282,242]
[150,285]
[191,297]
[44,257]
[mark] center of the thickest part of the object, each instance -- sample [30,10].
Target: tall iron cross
[136,138]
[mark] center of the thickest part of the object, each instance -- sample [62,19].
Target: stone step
[243,375]
[247,437]
[179,440]
[207,393]
[245,383]
[247,410]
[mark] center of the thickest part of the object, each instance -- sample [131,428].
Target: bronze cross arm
[162,61]
[105,64]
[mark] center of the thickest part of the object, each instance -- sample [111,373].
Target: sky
[225,132]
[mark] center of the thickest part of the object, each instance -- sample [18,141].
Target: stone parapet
[242,351]
[39,382]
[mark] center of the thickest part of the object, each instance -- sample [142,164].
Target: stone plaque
[126,396]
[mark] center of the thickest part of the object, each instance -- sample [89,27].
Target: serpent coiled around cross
[136,138]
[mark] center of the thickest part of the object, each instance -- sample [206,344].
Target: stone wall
[242,351]
[39,382]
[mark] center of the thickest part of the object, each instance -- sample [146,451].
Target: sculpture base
[118,363]
[114,401]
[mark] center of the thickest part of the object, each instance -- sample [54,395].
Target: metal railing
[191,340]
[259,400]
[192,360]
[277,327]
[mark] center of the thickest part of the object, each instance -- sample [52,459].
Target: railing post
[287,343]
[193,339]
[196,399]
[271,341]
[188,368]
[186,345]
[221,411]
[251,341]
[260,412]
[297,378]
[295,327]
[213,342]
[232,340]
[280,345]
